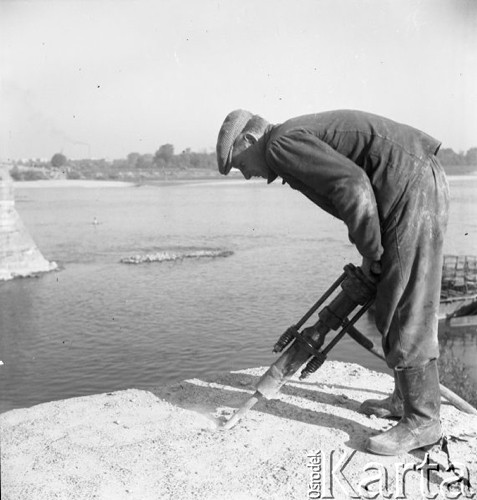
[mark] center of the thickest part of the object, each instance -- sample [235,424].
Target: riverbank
[69,183]
[62,183]
[163,443]
[85,183]
[234,178]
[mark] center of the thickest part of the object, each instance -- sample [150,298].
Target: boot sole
[425,447]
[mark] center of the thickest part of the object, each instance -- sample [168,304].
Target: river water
[99,325]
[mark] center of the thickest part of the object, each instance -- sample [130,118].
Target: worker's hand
[371,269]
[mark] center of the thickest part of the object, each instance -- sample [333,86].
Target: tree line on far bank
[136,167]
[164,164]
[449,158]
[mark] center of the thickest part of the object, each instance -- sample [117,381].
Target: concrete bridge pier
[19,256]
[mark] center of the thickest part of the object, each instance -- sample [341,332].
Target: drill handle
[356,335]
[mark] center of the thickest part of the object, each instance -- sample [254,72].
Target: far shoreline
[94,183]
[59,183]
[84,183]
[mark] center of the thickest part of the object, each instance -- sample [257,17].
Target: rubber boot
[420,425]
[390,407]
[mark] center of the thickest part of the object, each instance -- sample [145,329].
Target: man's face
[249,159]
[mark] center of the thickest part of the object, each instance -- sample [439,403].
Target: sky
[101,79]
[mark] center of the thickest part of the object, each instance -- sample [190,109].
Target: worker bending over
[383,180]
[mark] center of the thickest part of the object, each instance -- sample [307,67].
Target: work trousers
[408,292]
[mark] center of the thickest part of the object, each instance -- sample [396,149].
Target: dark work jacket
[355,165]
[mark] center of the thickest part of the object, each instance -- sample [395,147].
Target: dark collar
[266,137]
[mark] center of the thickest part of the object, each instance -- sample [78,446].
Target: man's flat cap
[232,127]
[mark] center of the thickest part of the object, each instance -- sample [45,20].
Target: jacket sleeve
[332,181]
